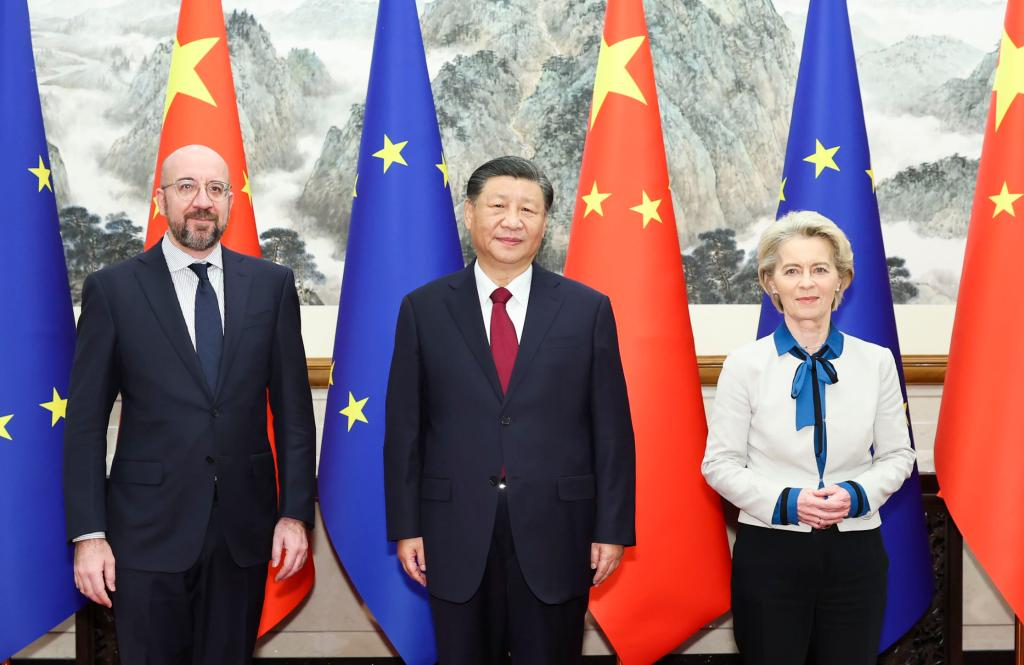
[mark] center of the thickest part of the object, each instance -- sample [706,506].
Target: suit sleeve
[894,457]
[403,412]
[94,386]
[614,450]
[725,457]
[291,403]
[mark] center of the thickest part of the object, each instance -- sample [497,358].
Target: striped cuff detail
[859,506]
[785,507]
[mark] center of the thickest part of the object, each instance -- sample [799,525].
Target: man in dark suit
[508,452]
[194,337]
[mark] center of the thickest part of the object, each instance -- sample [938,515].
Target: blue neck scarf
[809,381]
[812,375]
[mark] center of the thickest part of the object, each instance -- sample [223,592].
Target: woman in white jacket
[808,438]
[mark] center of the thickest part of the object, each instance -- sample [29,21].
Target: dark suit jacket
[176,434]
[562,432]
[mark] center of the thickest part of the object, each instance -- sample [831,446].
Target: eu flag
[37,340]
[828,169]
[402,235]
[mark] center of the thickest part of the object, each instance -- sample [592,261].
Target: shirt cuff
[859,506]
[90,536]
[785,507]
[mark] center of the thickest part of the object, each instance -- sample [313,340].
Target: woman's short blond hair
[804,224]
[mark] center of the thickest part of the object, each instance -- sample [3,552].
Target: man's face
[506,222]
[194,196]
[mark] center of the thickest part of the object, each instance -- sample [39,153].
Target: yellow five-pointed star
[183,78]
[247,188]
[871,174]
[4,434]
[42,174]
[648,208]
[57,407]
[1009,81]
[443,168]
[612,75]
[1004,201]
[823,158]
[354,410]
[156,208]
[594,200]
[391,153]
[782,189]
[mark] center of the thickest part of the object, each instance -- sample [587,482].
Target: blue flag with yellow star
[402,235]
[828,169]
[37,341]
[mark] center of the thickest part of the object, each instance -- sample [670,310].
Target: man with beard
[195,338]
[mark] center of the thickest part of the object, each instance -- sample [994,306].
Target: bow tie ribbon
[815,366]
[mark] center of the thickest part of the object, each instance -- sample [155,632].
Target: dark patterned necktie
[209,332]
[504,343]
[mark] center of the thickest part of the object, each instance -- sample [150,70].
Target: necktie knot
[501,295]
[201,270]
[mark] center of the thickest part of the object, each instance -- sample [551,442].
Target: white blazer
[754,450]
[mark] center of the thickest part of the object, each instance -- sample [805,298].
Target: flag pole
[1018,641]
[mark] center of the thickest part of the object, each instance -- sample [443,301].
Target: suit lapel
[464,305]
[237,282]
[545,301]
[155,280]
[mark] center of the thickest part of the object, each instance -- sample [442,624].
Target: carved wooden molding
[917,369]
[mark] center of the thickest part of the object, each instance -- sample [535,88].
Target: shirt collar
[784,341]
[179,260]
[520,286]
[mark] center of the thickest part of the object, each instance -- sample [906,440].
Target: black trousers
[206,615]
[813,597]
[504,617]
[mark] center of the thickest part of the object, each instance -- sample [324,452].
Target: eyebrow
[504,197]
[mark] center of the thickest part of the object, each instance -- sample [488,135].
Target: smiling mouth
[509,241]
[807,299]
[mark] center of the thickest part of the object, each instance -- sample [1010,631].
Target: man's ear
[467,214]
[160,196]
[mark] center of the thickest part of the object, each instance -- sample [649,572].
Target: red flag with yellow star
[624,244]
[978,451]
[200,108]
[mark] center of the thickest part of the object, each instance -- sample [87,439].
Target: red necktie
[504,344]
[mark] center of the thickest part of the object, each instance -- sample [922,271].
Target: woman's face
[805,278]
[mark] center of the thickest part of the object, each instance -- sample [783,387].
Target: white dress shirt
[754,450]
[185,284]
[516,305]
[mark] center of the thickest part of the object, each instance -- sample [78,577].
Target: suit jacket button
[493,480]
[209,459]
[215,413]
[506,420]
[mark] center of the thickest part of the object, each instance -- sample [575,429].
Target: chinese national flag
[979,452]
[200,108]
[624,244]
